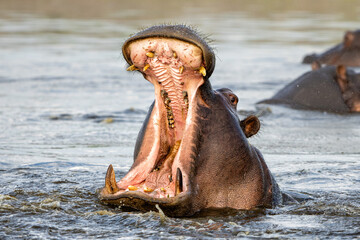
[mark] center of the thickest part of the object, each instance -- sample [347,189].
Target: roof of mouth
[180,32]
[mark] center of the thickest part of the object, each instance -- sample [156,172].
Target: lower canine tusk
[178,182]
[110,181]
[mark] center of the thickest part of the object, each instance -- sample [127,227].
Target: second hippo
[345,53]
[331,89]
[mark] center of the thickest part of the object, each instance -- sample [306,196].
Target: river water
[68,109]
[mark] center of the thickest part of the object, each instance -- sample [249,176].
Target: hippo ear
[348,39]
[315,65]
[250,125]
[341,77]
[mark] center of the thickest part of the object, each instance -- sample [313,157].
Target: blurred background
[68,109]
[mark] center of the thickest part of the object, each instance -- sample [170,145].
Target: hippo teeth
[178,182]
[132,68]
[110,181]
[202,70]
[176,68]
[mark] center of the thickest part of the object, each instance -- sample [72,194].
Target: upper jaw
[176,70]
[181,33]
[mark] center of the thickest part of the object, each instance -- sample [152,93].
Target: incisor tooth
[150,54]
[132,188]
[132,68]
[148,190]
[146,67]
[181,69]
[202,70]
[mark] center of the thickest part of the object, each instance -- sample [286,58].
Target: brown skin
[346,53]
[330,89]
[242,181]
[350,88]
[251,124]
[237,179]
[202,162]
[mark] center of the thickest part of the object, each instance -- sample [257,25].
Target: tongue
[161,176]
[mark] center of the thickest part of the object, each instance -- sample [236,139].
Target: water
[68,109]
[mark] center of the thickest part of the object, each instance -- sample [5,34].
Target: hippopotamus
[192,152]
[346,53]
[330,89]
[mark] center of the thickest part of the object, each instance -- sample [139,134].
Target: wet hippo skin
[345,53]
[330,89]
[192,153]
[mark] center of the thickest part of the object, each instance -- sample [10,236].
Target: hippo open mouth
[176,61]
[175,162]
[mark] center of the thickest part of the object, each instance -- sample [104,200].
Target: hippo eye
[233,99]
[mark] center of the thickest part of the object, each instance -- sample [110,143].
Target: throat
[161,176]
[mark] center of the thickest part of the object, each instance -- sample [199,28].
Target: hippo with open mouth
[345,53]
[192,152]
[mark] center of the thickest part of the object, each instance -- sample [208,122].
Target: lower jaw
[179,205]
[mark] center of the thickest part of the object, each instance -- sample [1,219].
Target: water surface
[68,109]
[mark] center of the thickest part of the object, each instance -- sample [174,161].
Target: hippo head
[192,152]
[352,40]
[345,53]
[349,84]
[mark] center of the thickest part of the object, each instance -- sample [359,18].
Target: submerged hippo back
[315,90]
